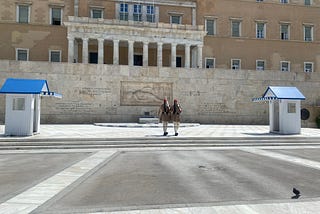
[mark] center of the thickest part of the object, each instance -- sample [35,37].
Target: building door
[178,61]
[138,60]
[93,57]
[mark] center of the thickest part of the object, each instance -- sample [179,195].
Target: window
[210,26]
[284,31]
[307,2]
[124,11]
[260,65]
[235,28]
[291,108]
[55,56]
[259,0]
[308,33]
[23,15]
[96,13]
[210,62]
[56,16]
[284,1]
[22,54]
[175,19]
[261,30]
[18,104]
[150,13]
[235,64]
[137,15]
[308,67]
[285,66]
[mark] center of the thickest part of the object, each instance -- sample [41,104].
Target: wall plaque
[144,94]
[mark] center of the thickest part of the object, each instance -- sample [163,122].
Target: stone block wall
[110,93]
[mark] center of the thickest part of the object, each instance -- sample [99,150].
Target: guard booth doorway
[275,109]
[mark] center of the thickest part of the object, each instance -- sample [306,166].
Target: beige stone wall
[101,93]
[247,48]
[38,39]
[39,10]
[167,11]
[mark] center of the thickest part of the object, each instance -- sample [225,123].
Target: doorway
[93,58]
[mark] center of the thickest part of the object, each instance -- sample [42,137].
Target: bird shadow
[295,197]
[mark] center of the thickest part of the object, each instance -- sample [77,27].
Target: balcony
[111,29]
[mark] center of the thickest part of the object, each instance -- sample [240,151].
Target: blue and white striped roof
[280,92]
[27,86]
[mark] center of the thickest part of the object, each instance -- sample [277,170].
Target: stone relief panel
[144,94]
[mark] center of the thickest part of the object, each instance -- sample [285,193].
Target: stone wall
[107,93]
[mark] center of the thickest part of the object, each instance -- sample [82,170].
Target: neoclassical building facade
[229,34]
[115,60]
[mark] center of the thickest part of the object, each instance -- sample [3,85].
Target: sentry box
[284,109]
[22,117]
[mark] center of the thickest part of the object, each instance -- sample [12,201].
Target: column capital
[85,39]
[200,45]
[101,39]
[187,45]
[70,37]
[130,42]
[160,43]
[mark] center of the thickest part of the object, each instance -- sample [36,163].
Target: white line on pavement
[40,193]
[283,157]
[309,207]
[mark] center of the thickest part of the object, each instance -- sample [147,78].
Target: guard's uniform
[175,115]
[165,115]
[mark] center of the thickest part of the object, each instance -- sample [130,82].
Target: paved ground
[160,179]
[108,131]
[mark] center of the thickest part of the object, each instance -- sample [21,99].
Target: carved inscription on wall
[144,94]
[93,91]
[208,108]
[75,106]
[191,93]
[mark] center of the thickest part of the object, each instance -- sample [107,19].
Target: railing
[87,20]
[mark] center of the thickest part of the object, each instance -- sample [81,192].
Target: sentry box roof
[280,92]
[27,86]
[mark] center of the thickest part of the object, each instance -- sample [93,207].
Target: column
[194,17]
[100,51]
[116,52]
[173,55]
[187,56]
[130,52]
[130,11]
[144,13]
[85,50]
[159,55]
[200,56]
[145,54]
[70,49]
[76,8]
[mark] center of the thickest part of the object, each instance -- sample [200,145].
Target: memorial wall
[110,93]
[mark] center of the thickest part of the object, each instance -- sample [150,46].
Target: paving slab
[21,171]
[162,179]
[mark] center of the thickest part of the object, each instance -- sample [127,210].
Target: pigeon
[296,192]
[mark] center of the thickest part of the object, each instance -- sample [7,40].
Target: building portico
[124,36]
